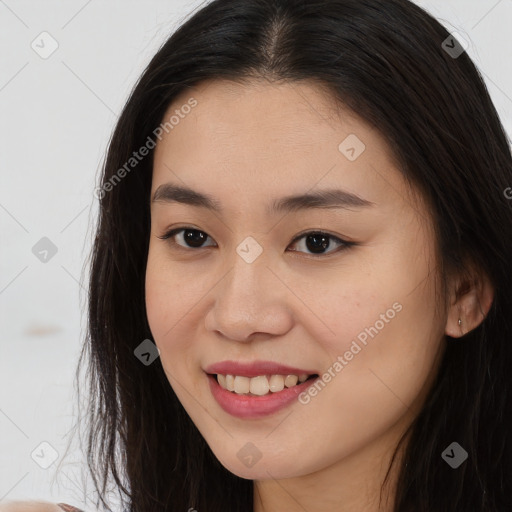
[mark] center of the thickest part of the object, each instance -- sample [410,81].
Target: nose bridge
[247,300]
[249,273]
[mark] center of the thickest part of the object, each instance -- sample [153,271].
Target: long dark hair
[387,61]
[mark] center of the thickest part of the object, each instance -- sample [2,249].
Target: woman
[300,282]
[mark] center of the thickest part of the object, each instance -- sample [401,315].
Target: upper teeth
[259,385]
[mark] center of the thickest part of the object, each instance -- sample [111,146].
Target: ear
[471,298]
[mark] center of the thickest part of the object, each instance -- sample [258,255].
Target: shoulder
[35,506]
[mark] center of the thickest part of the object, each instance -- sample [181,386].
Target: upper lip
[255,368]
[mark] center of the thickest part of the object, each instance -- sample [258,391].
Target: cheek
[164,300]
[168,293]
[159,301]
[382,330]
[173,298]
[387,364]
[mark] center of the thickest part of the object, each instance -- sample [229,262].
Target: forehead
[259,113]
[247,139]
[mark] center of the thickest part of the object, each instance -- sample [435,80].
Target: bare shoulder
[30,506]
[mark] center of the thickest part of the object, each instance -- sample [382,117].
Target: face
[340,287]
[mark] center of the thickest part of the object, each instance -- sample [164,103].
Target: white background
[56,116]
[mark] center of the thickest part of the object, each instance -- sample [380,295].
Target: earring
[460,322]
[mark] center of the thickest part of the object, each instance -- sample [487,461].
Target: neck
[352,484]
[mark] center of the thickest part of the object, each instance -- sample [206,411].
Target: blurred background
[66,69]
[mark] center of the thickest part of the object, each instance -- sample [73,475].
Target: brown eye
[317,242]
[192,238]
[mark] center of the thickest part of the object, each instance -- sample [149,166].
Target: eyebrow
[327,198]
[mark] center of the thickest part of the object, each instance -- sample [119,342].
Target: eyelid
[345,244]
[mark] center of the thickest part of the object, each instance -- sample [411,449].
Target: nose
[250,301]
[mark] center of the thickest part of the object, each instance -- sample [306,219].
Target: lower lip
[247,406]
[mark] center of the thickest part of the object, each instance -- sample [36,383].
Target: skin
[30,506]
[245,145]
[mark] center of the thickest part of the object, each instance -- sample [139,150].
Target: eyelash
[345,244]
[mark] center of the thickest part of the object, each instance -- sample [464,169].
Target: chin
[264,469]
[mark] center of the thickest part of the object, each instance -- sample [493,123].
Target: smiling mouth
[260,385]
